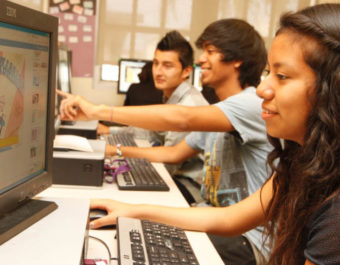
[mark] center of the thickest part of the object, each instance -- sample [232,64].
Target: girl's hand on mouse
[113,209]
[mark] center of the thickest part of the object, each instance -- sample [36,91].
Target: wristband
[118,150]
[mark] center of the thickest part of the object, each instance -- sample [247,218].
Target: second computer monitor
[128,73]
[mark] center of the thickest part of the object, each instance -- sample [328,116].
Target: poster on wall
[77,20]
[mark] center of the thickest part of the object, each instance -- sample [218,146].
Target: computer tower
[87,129]
[80,168]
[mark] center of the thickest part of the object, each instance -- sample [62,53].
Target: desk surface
[56,239]
[204,250]
[111,191]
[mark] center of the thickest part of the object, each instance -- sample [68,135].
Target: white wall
[105,94]
[202,13]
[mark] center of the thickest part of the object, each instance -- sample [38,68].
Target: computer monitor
[128,73]
[28,52]
[196,79]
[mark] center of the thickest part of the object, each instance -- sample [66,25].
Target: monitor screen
[128,73]
[27,82]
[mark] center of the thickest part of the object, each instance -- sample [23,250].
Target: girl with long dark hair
[300,202]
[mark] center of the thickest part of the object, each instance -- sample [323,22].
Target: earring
[237,64]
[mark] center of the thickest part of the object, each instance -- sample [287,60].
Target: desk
[204,250]
[56,239]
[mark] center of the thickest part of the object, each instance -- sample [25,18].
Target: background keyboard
[150,243]
[142,176]
[120,138]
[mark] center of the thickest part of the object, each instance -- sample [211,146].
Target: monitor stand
[24,216]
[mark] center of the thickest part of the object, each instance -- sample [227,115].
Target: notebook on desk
[71,142]
[142,175]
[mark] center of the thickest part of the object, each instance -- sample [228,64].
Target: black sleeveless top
[322,235]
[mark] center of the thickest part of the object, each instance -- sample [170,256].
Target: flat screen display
[128,73]
[24,76]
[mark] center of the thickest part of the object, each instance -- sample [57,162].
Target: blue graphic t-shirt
[235,162]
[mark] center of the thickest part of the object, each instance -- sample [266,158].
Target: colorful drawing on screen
[12,72]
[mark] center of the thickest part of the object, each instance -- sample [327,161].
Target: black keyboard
[142,176]
[142,242]
[120,138]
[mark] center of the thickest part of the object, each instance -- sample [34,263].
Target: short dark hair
[237,41]
[174,41]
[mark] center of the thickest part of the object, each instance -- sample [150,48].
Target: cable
[105,245]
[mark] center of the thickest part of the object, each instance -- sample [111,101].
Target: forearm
[228,221]
[204,219]
[166,117]
[215,220]
[156,117]
[161,154]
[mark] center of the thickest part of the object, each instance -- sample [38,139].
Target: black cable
[105,245]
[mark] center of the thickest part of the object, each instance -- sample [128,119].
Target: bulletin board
[77,23]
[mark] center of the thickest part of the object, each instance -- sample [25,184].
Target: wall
[120,18]
[123,22]
[101,93]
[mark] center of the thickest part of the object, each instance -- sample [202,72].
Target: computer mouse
[98,213]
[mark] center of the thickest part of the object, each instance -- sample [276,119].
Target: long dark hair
[309,175]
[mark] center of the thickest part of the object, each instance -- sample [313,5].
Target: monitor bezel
[121,61]
[15,14]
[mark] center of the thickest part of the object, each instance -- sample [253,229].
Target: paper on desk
[73,142]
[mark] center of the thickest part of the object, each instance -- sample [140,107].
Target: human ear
[187,72]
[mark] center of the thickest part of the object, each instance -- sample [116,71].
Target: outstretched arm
[228,221]
[156,117]
[165,154]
